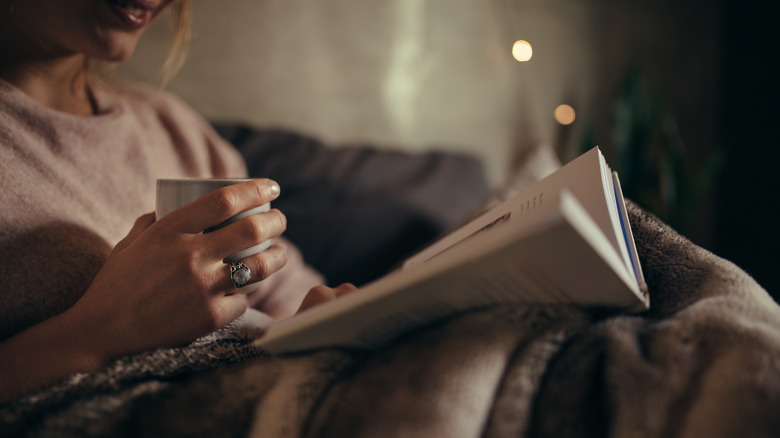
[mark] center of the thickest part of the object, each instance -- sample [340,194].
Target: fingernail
[274,188]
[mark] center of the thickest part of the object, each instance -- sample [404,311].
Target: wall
[405,74]
[415,74]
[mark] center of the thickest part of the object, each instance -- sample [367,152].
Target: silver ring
[240,274]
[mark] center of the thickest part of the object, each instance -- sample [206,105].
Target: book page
[611,196]
[629,236]
[589,180]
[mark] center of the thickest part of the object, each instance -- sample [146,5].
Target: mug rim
[196,179]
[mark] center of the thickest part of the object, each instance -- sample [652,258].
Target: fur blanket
[704,361]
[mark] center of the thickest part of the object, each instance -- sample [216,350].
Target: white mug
[173,194]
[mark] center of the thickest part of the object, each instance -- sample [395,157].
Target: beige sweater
[72,186]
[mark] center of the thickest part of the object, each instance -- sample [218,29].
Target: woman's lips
[135,14]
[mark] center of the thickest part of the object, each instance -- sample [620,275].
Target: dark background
[711,65]
[745,214]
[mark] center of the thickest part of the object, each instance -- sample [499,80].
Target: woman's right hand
[165,284]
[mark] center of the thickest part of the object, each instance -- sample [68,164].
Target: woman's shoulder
[161,111]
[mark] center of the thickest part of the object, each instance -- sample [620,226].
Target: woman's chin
[114,51]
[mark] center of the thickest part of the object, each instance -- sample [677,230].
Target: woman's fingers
[222,204]
[321,294]
[229,308]
[245,233]
[261,266]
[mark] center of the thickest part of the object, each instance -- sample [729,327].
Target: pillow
[356,211]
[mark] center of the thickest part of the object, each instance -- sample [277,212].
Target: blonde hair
[181,13]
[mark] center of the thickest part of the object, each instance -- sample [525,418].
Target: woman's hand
[321,294]
[165,284]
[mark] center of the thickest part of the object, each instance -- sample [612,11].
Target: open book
[566,239]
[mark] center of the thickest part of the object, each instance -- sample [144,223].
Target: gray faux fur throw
[703,362]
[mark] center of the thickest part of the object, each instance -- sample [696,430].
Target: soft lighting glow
[522,51]
[564,114]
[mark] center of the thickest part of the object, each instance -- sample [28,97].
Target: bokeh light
[522,50]
[564,114]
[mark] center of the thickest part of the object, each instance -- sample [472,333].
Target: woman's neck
[56,80]
[59,84]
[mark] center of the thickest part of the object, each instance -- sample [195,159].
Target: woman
[79,160]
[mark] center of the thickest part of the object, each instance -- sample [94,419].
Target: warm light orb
[522,51]
[564,115]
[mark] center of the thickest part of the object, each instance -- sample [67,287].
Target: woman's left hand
[321,294]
